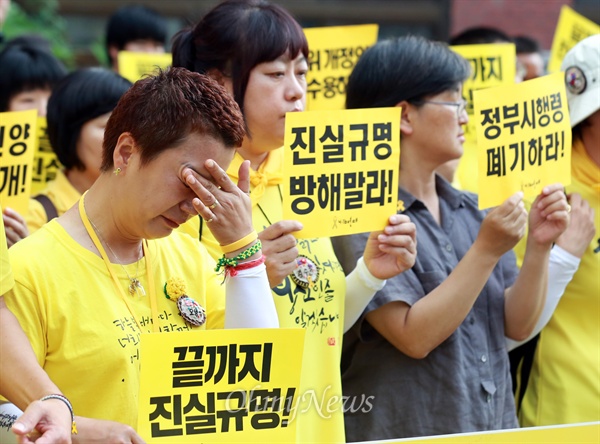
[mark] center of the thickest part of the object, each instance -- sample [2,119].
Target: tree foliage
[40,17]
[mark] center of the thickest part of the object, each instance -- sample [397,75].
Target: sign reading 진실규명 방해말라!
[341,170]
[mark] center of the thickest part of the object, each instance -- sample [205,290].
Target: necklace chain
[135,285]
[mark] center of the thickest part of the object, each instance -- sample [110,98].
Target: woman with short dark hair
[430,347]
[78,110]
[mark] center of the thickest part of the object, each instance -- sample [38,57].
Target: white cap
[581,66]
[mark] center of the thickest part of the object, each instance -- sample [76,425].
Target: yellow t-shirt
[62,194]
[318,309]
[6,277]
[564,385]
[80,327]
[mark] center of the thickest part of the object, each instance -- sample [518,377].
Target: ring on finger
[568,208]
[214,205]
[208,220]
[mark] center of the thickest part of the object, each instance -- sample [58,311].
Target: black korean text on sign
[14,177]
[196,365]
[46,164]
[486,68]
[535,113]
[334,58]
[336,191]
[225,410]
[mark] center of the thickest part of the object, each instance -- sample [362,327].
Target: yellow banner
[18,138]
[238,385]
[45,162]
[572,433]
[333,53]
[491,65]
[570,29]
[523,138]
[341,170]
[134,65]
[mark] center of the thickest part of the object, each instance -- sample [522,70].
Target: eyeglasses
[461,105]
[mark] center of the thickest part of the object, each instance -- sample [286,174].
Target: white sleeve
[361,286]
[562,265]
[249,302]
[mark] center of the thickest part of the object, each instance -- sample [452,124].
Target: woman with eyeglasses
[430,347]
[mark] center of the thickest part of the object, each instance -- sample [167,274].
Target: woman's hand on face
[224,206]
[279,247]
[581,230]
[393,250]
[14,226]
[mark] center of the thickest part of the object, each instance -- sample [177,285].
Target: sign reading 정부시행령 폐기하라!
[341,170]
[523,138]
[231,385]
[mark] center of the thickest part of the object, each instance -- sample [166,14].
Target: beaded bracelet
[229,248]
[233,271]
[68,403]
[233,261]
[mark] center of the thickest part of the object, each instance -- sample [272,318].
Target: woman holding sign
[259,53]
[431,345]
[78,110]
[564,385]
[29,72]
[111,269]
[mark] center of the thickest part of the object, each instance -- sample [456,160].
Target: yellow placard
[18,138]
[341,170]
[491,65]
[523,138]
[333,52]
[238,385]
[588,433]
[134,65]
[571,28]
[45,162]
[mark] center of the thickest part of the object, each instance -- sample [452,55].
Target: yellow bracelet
[240,243]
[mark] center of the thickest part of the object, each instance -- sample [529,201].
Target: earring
[117,171]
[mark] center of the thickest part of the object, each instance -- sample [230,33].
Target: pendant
[191,311]
[306,272]
[136,285]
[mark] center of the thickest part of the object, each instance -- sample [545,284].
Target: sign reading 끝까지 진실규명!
[491,65]
[232,385]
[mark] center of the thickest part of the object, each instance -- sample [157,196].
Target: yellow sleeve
[24,304]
